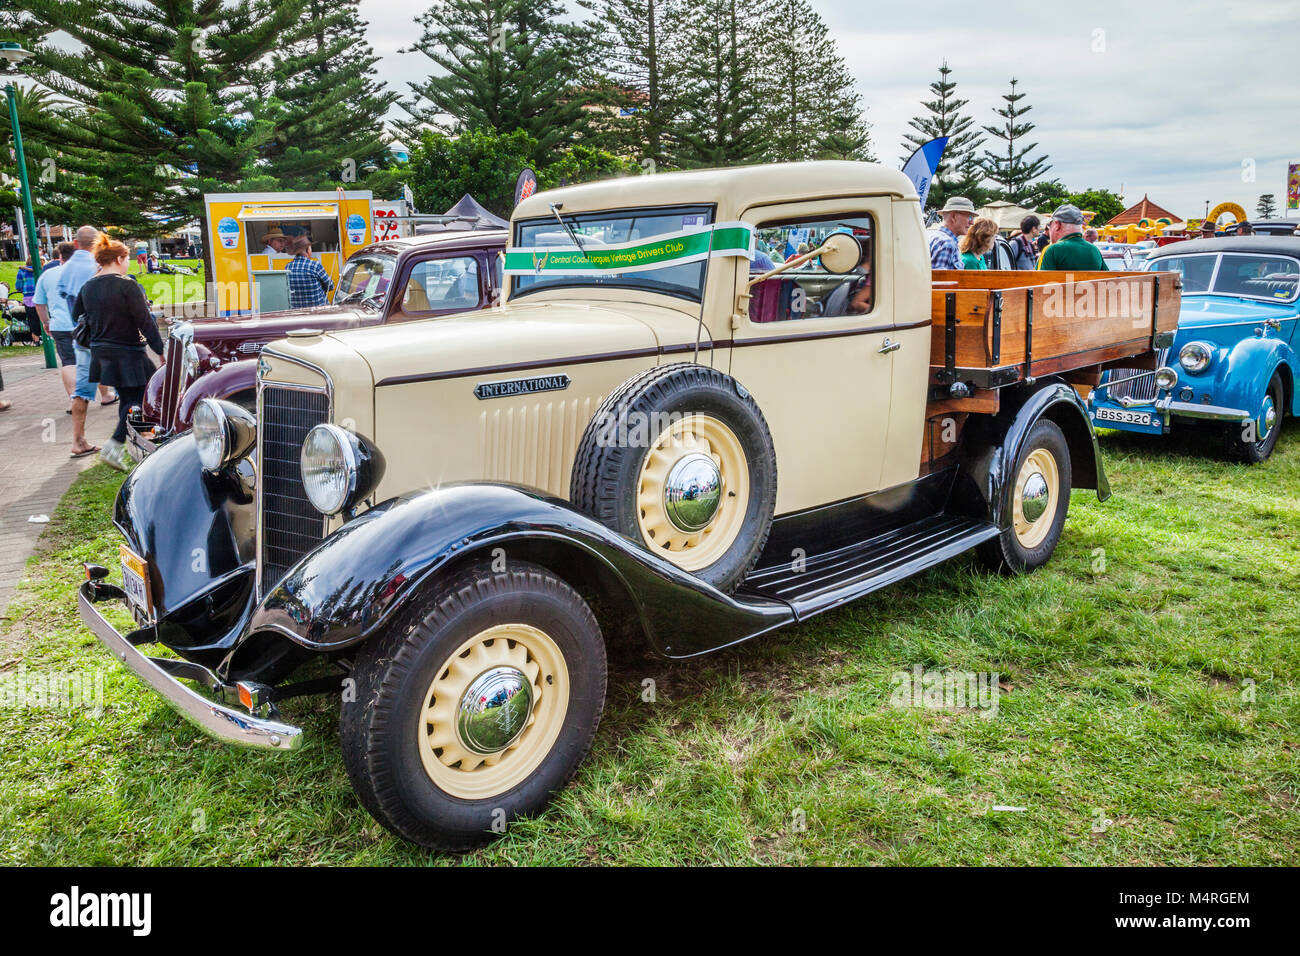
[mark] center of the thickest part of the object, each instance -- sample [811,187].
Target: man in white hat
[276,242]
[957,214]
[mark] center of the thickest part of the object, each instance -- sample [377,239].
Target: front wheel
[1253,441]
[476,707]
[1034,504]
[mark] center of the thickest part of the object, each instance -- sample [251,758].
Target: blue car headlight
[1166,378]
[1195,357]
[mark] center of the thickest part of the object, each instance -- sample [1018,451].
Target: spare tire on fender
[680,459]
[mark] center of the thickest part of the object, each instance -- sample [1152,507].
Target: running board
[819,582]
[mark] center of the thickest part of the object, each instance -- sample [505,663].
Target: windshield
[625,231]
[1274,278]
[365,278]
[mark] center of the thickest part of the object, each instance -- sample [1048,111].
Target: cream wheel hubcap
[1034,502]
[692,492]
[494,711]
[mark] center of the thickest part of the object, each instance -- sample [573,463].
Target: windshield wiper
[573,234]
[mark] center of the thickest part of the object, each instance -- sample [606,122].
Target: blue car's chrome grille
[1135,389]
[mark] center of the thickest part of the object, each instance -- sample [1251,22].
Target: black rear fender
[991,445]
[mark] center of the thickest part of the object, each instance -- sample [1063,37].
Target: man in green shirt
[1069,251]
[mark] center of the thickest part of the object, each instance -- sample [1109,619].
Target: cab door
[817,350]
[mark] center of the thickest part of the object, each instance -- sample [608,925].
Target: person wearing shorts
[53,310]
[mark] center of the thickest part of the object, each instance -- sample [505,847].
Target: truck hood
[1205,311]
[276,325]
[514,338]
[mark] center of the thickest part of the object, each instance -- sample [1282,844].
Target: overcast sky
[1163,98]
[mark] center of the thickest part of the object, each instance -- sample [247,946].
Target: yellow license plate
[135,580]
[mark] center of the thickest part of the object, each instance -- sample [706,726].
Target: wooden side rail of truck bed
[992,329]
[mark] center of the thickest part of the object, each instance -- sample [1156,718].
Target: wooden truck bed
[992,329]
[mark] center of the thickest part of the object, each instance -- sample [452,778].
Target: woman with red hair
[113,307]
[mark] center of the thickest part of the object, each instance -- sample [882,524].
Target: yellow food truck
[245,229]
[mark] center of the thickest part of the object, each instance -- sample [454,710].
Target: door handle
[890,346]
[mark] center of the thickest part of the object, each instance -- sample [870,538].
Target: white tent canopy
[1006,214]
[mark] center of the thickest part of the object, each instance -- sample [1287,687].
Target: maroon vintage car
[398,280]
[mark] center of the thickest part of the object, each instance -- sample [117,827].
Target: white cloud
[1178,96]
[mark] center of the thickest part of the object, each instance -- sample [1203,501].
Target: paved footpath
[35,471]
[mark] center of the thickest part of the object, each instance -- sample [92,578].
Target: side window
[808,291]
[439,284]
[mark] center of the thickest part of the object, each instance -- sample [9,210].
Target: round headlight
[210,435]
[1166,378]
[329,469]
[1195,357]
[338,468]
[223,432]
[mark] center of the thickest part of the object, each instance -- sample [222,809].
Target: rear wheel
[476,707]
[1253,441]
[1035,503]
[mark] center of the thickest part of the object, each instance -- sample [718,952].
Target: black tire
[1256,450]
[1008,553]
[606,471]
[381,731]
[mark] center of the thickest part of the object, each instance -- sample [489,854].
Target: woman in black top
[118,323]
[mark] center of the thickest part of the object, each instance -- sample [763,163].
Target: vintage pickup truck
[654,439]
[396,280]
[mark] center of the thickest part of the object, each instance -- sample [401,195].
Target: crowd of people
[964,240]
[99,318]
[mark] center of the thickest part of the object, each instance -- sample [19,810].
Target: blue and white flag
[922,165]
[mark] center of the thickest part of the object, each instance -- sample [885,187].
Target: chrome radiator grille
[1136,389]
[289,526]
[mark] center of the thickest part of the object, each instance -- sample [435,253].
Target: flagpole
[708,263]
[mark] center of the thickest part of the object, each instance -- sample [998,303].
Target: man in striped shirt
[309,283]
[957,213]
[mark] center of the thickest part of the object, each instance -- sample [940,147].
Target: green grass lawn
[161,289]
[1148,715]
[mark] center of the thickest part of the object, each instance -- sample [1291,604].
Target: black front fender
[351,586]
[196,531]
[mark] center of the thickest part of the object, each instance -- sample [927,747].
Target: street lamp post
[11,54]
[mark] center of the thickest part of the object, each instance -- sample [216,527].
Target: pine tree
[324,102]
[164,106]
[1266,208]
[506,65]
[720,120]
[959,168]
[808,106]
[640,45]
[847,134]
[1011,169]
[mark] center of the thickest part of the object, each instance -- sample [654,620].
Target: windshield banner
[671,249]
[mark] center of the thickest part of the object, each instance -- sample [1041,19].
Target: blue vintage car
[1233,361]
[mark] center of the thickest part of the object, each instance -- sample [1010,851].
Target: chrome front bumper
[1214,412]
[164,675]
[140,436]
